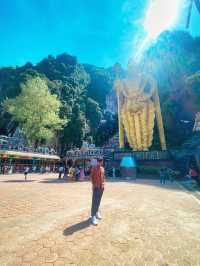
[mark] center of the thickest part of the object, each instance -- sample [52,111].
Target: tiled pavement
[45,222]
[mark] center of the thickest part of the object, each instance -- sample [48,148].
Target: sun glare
[161,15]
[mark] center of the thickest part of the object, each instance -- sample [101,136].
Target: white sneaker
[98,216]
[94,220]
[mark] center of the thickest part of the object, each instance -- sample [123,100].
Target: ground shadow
[77,227]
[154,182]
[56,181]
[60,181]
[18,181]
[140,181]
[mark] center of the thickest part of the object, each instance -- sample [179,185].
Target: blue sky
[99,32]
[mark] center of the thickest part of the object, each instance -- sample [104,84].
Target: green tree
[36,111]
[75,131]
[93,115]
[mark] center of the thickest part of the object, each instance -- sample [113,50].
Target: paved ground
[44,222]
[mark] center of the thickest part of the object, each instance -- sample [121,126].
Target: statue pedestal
[128,173]
[128,167]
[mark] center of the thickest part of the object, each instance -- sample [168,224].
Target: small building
[12,161]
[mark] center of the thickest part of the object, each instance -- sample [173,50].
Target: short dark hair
[100,160]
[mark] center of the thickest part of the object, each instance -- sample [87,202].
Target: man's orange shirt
[98,177]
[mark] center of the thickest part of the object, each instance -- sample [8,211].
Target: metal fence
[117,155]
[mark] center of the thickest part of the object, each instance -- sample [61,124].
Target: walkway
[45,222]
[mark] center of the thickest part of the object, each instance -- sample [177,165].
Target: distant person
[163,174]
[173,174]
[98,179]
[4,169]
[47,169]
[26,172]
[93,162]
[60,171]
[41,169]
[82,174]
[71,173]
[10,171]
[77,174]
[66,171]
[114,172]
[34,169]
[193,174]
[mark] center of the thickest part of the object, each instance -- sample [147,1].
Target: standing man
[163,175]
[26,172]
[60,171]
[98,179]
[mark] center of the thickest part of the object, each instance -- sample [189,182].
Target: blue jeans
[96,200]
[162,179]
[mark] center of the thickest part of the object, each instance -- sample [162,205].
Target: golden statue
[138,105]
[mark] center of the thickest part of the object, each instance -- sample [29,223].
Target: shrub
[150,170]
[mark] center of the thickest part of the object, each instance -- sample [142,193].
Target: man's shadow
[77,227]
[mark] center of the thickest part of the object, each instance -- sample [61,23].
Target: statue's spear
[197,3]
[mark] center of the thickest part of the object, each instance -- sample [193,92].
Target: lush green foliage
[193,89]
[36,111]
[149,170]
[174,60]
[76,88]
